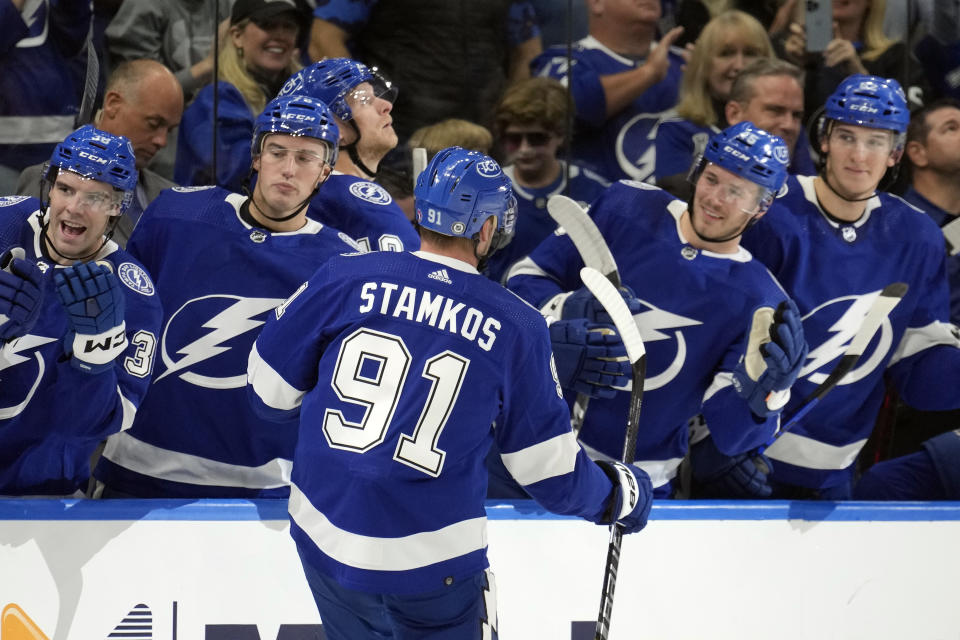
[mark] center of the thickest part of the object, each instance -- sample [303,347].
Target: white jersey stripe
[269,385]
[802,451]
[548,459]
[916,339]
[660,471]
[141,457]
[386,554]
[129,411]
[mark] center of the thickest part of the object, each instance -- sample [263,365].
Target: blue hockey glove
[21,293]
[631,498]
[768,369]
[590,358]
[94,301]
[721,476]
[582,304]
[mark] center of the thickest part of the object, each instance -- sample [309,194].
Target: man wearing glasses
[78,318]
[352,201]
[223,262]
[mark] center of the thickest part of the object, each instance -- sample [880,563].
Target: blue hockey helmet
[297,115]
[869,101]
[459,190]
[332,80]
[97,155]
[751,153]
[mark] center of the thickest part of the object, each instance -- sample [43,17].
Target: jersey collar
[453,263]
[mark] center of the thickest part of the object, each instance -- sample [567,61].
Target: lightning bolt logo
[638,135]
[229,323]
[657,324]
[11,356]
[843,331]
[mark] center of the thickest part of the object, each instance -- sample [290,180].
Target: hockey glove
[21,294]
[718,475]
[94,301]
[591,358]
[768,369]
[582,304]
[631,498]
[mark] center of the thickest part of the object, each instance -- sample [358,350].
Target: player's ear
[255,165]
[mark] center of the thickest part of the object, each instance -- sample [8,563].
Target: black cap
[261,10]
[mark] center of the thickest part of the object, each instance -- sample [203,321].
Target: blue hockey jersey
[52,415]
[218,278]
[942,218]
[533,220]
[399,365]
[699,309]
[834,271]
[366,212]
[621,146]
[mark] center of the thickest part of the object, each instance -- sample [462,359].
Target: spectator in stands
[259,57]
[143,102]
[352,202]
[40,90]
[859,45]
[483,45]
[531,128]
[933,154]
[622,82]
[727,44]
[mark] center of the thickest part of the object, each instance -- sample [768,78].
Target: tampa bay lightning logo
[350,241]
[9,201]
[834,323]
[21,384]
[207,340]
[488,168]
[371,192]
[657,324]
[136,278]
[781,153]
[636,153]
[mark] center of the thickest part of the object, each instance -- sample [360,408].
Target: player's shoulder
[636,193]
[15,213]
[190,202]
[131,273]
[357,189]
[913,219]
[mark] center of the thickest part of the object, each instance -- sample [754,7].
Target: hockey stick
[889,298]
[419,159]
[613,303]
[595,254]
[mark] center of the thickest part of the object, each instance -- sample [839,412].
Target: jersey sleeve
[550,269]
[536,443]
[282,365]
[584,82]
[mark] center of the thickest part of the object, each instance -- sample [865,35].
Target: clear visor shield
[313,159]
[81,193]
[377,87]
[719,185]
[505,227]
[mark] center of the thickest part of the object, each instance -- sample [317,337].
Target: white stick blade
[889,298]
[584,233]
[614,304]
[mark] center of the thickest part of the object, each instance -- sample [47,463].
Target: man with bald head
[143,101]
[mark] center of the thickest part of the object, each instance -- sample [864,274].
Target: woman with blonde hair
[728,43]
[258,57]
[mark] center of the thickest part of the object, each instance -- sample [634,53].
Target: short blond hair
[452,132]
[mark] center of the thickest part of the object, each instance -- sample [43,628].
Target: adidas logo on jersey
[441,275]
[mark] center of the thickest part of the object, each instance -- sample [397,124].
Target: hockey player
[703,305]
[622,82]
[222,262]
[398,365]
[352,201]
[834,245]
[79,318]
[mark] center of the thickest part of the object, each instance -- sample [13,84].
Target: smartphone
[818,18]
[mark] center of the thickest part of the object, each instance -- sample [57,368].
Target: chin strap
[355,155]
[296,210]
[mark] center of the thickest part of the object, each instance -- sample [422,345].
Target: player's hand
[582,304]
[590,358]
[718,475]
[764,379]
[631,498]
[94,301]
[795,44]
[21,293]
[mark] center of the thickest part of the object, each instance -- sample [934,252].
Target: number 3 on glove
[93,298]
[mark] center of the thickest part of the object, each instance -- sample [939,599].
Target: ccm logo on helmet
[735,152]
[90,156]
[297,116]
[863,107]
